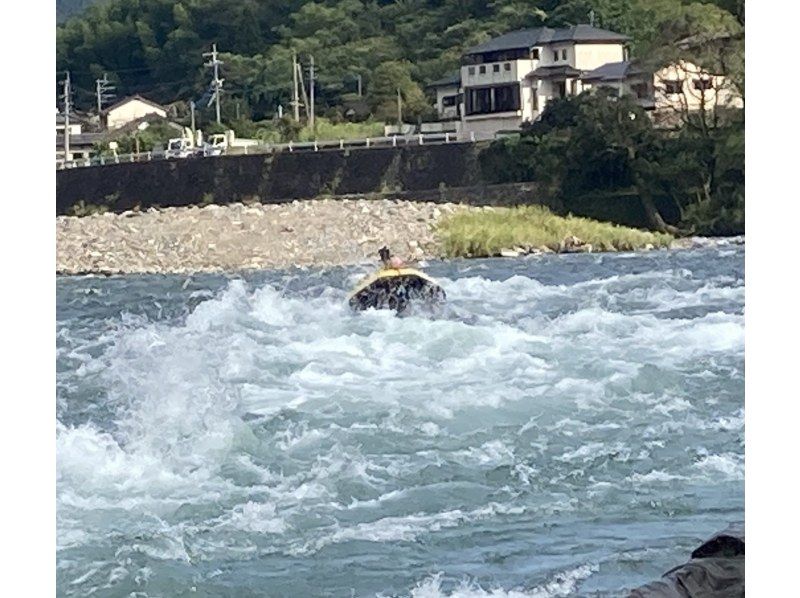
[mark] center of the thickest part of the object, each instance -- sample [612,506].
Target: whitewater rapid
[572,425]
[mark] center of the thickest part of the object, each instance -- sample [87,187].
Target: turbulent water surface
[572,425]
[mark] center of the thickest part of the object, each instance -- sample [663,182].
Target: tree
[387,79]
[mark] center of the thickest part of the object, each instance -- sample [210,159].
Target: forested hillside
[155,47]
[69,8]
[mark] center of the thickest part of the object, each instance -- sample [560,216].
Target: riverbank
[302,233]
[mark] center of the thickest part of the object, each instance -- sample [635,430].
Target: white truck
[227,143]
[185,146]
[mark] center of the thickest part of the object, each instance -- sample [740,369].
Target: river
[572,425]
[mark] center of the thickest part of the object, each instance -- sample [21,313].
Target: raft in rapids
[396,288]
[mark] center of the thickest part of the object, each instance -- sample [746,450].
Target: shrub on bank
[484,233]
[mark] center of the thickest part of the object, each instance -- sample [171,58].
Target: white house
[508,80]
[81,143]
[131,109]
[685,86]
[448,96]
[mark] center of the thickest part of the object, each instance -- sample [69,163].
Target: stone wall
[268,178]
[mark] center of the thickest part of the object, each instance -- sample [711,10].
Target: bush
[484,233]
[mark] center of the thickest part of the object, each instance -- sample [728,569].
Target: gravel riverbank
[235,237]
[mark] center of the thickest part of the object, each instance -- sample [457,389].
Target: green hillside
[155,47]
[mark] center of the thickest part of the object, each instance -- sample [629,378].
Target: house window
[563,54]
[640,90]
[673,87]
[496,68]
[507,66]
[486,100]
[471,70]
[482,70]
[555,56]
[506,98]
[535,54]
[702,84]
[449,101]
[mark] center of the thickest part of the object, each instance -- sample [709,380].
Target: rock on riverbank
[237,236]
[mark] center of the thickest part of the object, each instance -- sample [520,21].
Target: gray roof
[561,70]
[586,33]
[82,140]
[528,38]
[612,71]
[453,78]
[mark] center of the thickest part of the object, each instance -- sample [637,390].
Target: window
[449,101]
[563,54]
[471,70]
[507,66]
[496,68]
[506,98]
[535,54]
[479,100]
[486,100]
[555,56]
[702,84]
[640,90]
[673,87]
[482,70]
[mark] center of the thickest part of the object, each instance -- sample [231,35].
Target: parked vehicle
[179,147]
[227,141]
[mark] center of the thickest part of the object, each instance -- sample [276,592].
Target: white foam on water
[407,528]
[729,466]
[266,422]
[561,584]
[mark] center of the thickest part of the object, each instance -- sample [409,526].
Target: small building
[686,87]
[81,143]
[448,96]
[129,110]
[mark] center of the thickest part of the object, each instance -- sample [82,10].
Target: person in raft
[390,262]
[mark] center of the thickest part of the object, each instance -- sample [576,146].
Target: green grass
[326,130]
[484,233]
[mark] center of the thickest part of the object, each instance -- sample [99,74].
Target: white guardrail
[268,148]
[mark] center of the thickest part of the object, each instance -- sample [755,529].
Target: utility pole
[311,93]
[295,93]
[67,109]
[102,90]
[191,109]
[305,102]
[399,108]
[216,82]
[359,85]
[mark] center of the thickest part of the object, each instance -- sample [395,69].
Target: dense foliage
[155,47]
[592,144]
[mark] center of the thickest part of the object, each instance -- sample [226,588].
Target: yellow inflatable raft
[397,289]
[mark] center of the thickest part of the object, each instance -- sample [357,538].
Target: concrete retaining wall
[436,173]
